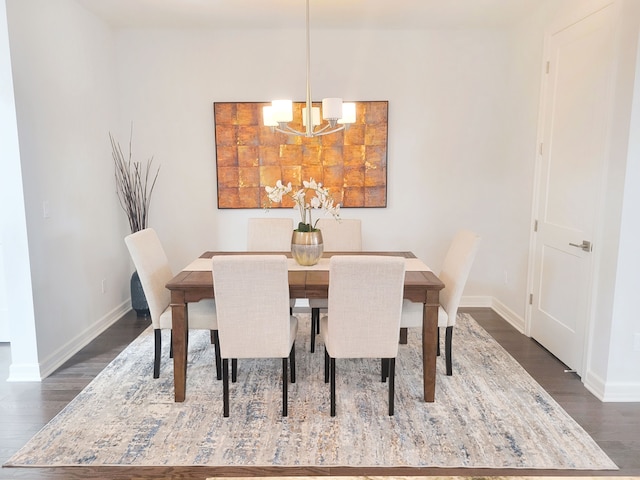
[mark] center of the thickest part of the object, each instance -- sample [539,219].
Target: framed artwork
[351,163]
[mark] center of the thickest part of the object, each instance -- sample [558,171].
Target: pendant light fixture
[337,114]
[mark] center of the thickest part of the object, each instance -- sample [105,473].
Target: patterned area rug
[490,413]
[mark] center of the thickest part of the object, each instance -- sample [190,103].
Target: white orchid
[275,193]
[321,200]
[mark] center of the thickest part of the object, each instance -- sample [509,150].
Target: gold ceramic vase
[307,247]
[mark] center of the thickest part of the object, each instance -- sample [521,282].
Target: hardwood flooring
[27,407]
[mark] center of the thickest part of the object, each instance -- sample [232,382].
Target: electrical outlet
[104,285]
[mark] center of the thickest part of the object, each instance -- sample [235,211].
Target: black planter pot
[138,300]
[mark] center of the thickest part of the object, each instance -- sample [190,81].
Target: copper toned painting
[351,163]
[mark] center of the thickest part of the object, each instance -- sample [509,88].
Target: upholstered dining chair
[344,235]
[363,319]
[154,271]
[252,301]
[272,234]
[454,274]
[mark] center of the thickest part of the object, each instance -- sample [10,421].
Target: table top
[203,264]
[304,282]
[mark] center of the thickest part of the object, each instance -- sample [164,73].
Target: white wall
[7,124]
[64,77]
[613,374]
[625,338]
[516,170]
[446,122]
[16,293]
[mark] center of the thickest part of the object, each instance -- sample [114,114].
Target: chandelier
[337,114]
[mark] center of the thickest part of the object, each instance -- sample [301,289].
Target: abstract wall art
[249,156]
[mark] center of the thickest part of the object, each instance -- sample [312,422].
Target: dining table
[195,282]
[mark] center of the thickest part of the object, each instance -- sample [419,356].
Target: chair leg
[385,369]
[392,383]
[284,387]
[404,332]
[292,360]
[333,386]
[326,365]
[447,349]
[234,370]
[156,352]
[216,343]
[225,387]
[438,344]
[315,319]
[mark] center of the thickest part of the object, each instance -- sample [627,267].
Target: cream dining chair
[271,234]
[363,320]
[343,235]
[252,300]
[154,271]
[454,273]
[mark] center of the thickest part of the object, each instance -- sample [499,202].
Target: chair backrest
[252,303]
[153,269]
[269,234]
[455,270]
[344,235]
[365,305]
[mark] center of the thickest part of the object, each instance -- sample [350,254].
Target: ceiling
[352,14]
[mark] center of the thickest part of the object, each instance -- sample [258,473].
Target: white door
[574,111]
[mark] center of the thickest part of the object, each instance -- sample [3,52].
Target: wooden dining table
[195,282]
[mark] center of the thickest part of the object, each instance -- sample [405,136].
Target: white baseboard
[612,391]
[302,306]
[509,315]
[25,372]
[476,302]
[594,384]
[622,392]
[501,309]
[31,373]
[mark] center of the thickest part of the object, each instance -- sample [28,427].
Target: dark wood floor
[27,407]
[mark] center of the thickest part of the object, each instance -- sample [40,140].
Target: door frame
[563,20]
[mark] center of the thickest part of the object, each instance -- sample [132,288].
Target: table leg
[429,344]
[180,325]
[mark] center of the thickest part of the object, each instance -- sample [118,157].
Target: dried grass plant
[133,185]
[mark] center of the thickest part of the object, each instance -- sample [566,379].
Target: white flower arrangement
[321,199]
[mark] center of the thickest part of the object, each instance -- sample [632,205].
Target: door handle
[585,245]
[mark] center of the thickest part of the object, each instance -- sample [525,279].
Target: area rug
[489,414]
